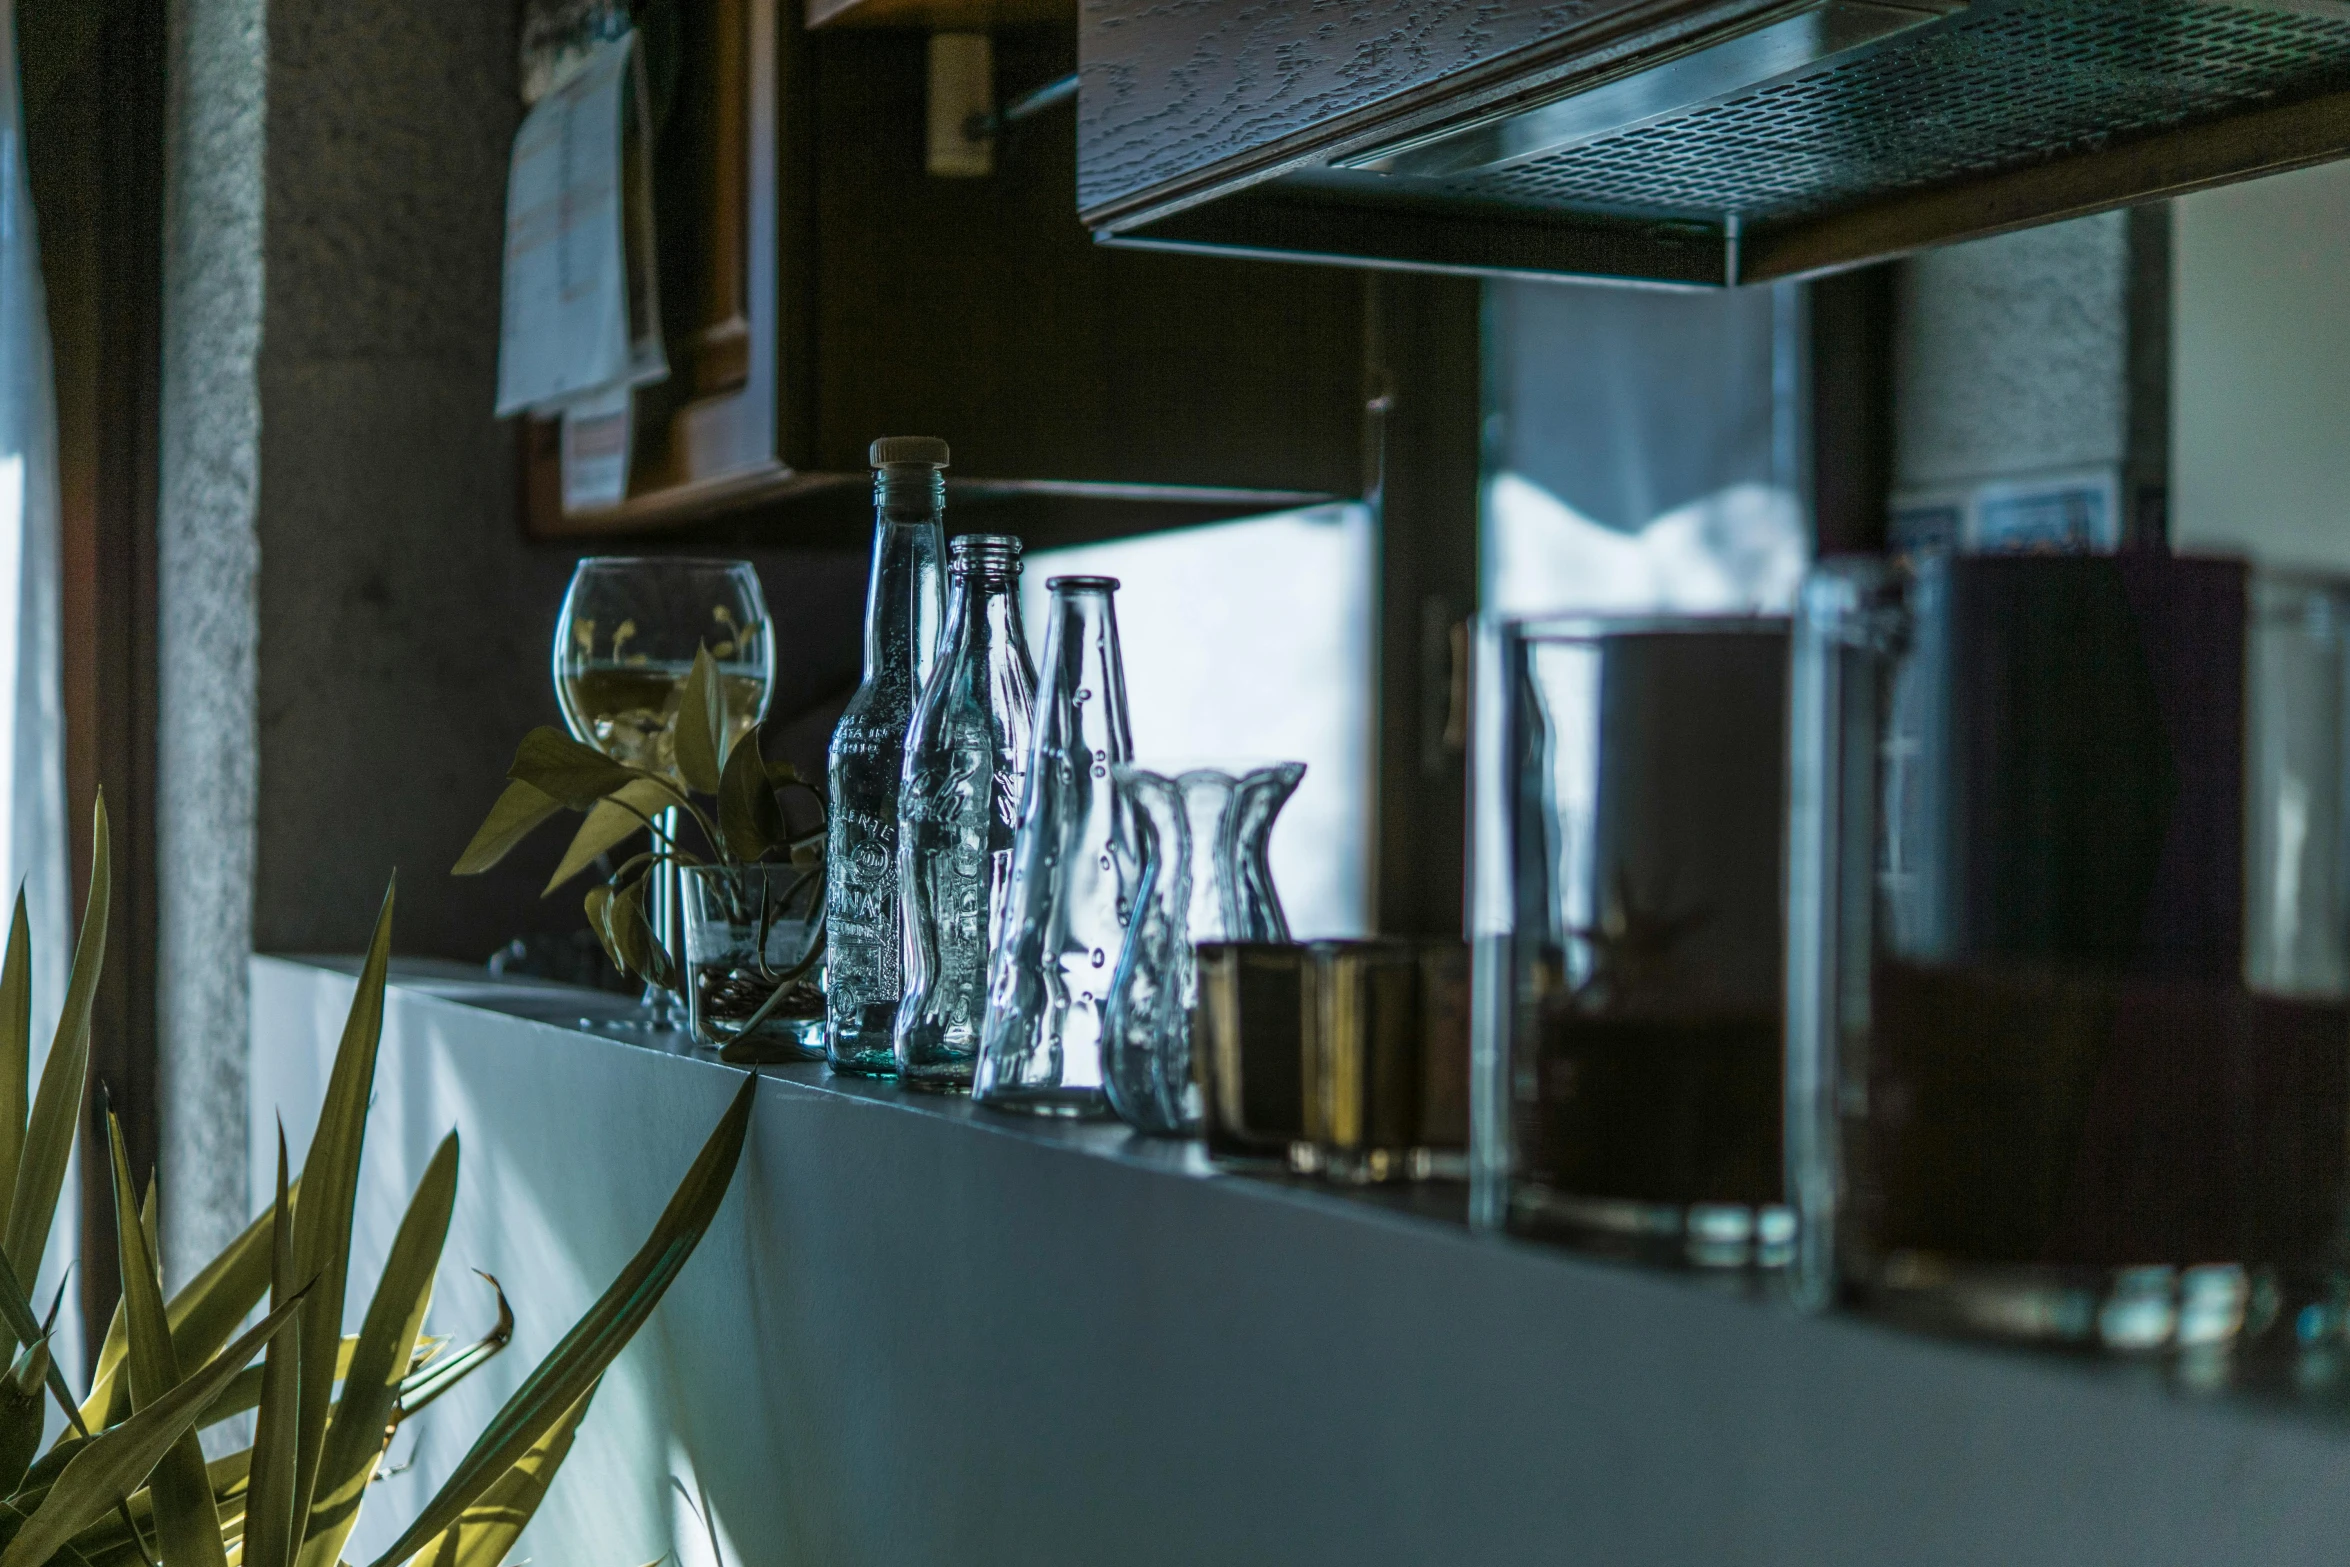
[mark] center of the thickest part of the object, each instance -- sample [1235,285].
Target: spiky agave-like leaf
[112,1464]
[387,1342]
[187,1525]
[575,1364]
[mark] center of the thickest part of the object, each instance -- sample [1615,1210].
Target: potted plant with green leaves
[128,1483]
[752,888]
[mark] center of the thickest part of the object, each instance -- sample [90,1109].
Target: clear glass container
[1630,947]
[1072,873]
[2067,963]
[958,808]
[1386,1061]
[625,641]
[1201,836]
[863,972]
[752,951]
[1250,1049]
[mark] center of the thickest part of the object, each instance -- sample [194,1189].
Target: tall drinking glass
[1630,1048]
[2069,973]
[624,644]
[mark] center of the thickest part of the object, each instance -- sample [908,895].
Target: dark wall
[405,623]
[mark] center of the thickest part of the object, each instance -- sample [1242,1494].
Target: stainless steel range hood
[1775,52]
[1674,141]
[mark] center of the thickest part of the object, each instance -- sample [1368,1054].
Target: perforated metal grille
[1995,88]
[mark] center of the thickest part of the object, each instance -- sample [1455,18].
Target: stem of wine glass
[667,913]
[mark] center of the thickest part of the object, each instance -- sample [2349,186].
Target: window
[1252,641]
[1644,449]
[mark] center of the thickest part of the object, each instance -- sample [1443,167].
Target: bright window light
[1250,642]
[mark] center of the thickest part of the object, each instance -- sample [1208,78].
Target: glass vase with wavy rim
[1201,835]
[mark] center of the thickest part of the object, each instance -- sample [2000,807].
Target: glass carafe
[1201,837]
[2068,960]
[862,978]
[966,756]
[1631,939]
[1072,873]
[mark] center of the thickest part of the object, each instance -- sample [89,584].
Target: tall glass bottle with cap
[966,754]
[903,601]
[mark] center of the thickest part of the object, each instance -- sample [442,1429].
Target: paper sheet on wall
[582,306]
[596,444]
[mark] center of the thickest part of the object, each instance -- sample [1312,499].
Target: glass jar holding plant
[754,918]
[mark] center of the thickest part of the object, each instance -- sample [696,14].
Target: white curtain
[32,724]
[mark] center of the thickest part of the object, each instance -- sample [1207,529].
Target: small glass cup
[1249,1050]
[752,958]
[1386,1061]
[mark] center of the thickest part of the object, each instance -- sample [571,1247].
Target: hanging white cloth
[32,708]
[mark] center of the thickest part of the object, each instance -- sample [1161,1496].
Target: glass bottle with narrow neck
[1072,878]
[966,756]
[862,975]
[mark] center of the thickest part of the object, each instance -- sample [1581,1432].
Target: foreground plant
[724,787]
[129,1481]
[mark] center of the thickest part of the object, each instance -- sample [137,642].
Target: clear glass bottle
[958,808]
[903,600]
[1072,874]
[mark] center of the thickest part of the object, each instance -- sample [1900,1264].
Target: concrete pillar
[353,629]
[208,553]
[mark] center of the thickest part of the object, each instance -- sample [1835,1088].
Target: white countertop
[922,1333]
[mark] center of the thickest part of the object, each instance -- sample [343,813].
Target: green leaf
[610,822]
[109,1539]
[203,1314]
[111,1465]
[22,1396]
[270,1533]
[387,1342]
[487,1530]
[700,731]
[187,1524]
[244,1389]
[16,1044]
[57,1110]
[750,823]
[598,904]
[45,1471]
[439,1375]
[556,765]
[641,954]
[17,1313]
[322,1218]
[516,816]
[574,1365]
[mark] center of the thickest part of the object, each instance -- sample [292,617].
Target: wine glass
[624,644]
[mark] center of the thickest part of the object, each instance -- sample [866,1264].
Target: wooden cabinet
[1084,389]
